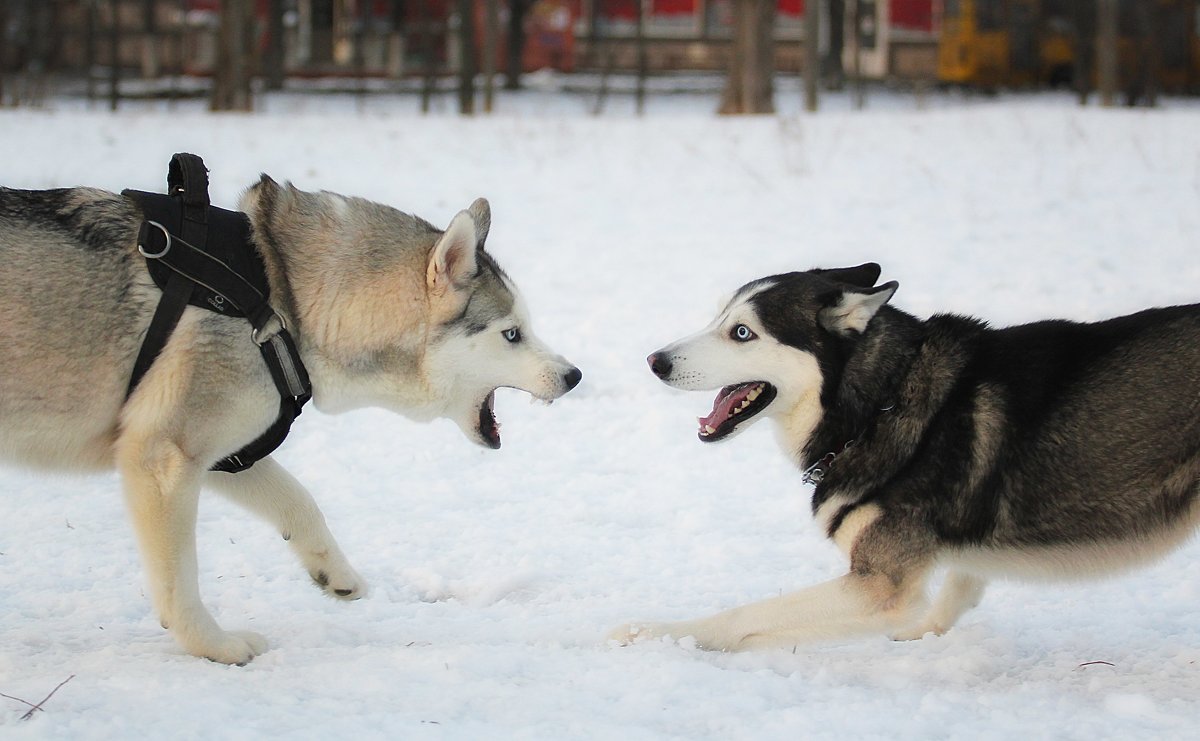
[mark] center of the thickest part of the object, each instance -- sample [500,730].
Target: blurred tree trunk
[749,86]
[4,52]
[467,58]
[832,70]
[517,10]
[235,57]
[857,17]
[1085,48]
[114,57]
[491,32]
[274,57]
[150,41]
[1143,79]
[812,53]
[429,73]
[1106,52]
[643,61]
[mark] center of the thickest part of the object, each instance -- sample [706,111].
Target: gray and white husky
[386,310]
[1046,451]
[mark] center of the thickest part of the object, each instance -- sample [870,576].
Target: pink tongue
[726,402]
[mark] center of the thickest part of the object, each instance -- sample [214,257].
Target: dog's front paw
[229,647]
[339,580]
[917,632]
[632,632]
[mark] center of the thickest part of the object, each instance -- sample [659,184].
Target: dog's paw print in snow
[475,591]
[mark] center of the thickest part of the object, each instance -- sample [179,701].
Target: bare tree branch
[33,707]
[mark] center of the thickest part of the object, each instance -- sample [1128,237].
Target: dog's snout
[572,378]
[660,365]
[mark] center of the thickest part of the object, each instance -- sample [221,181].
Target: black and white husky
[1048,450]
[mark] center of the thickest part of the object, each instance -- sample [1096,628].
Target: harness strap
[195,275]
[191,266]
[184,257]
[188,177]
[166,317]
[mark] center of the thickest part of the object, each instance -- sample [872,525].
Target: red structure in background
[550,35]
[916,15]
[911,14]
[627,9]
[551,25]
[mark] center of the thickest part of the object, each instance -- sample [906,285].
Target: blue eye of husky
[742,333]
[512,335]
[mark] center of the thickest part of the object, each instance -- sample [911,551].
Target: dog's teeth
[745,404]
[709,429]
[754,394]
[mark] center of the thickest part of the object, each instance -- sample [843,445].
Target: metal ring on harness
[262,340]
[165,250]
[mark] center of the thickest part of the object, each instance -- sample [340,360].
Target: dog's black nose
[659,365]
[573,377]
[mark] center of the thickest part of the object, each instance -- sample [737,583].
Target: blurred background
[228,52]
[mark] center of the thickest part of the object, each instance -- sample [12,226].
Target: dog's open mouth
[489,428]
[733,406]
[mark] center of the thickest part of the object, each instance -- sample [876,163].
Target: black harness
[200,255]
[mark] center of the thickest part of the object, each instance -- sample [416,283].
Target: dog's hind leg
[269,491]
[884,591]
[162,488]
[960,593]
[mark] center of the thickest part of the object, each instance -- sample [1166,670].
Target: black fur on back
[65,211]
[1050,433]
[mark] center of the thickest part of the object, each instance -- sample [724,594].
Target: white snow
[496,575]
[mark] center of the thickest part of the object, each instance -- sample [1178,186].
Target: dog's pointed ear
[482,213]
[853,310]
[452,260]
[863,276]
[261,198]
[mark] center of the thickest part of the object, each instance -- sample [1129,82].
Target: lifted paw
[344,585]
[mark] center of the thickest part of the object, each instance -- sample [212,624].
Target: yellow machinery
[989,42]
[1012,43]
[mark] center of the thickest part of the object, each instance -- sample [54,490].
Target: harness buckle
[165,249]
[260,337]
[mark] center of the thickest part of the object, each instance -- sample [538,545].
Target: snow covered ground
[496,575]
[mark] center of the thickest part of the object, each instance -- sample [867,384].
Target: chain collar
[816,473]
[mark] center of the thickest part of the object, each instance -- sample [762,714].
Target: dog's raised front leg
[269,491]
[960,593]
[847,606]
[162,488]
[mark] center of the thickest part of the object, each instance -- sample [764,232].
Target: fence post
[812,53]
[491,28]
[1106,53]
[114,67]
[466,57]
